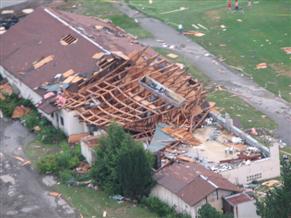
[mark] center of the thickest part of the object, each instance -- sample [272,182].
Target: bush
[67,177]
[56,163]
[31,119]
[161,208]
[50,135]
[8,105]
[48,164]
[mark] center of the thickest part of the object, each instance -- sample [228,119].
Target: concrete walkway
[263,100]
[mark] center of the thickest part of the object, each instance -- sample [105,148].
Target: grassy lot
[93,203]
[90,203]
[249,117]
[105,10]
[189,67]
[244,38]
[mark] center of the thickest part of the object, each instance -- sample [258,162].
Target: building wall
[64,119]
[23,89]
[174,201]
[214,199]
[245,210]
[263,169]
[88,153]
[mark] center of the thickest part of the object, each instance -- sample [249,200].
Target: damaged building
[87,73]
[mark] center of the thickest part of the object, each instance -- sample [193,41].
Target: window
[68,40]
[52,115]
[62,121]
[254,177]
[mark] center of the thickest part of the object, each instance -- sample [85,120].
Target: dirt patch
[214,14]
[281,69]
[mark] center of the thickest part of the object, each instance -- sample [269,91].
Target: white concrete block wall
[268,168]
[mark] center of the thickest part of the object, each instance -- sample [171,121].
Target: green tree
[122,165]
[207,211]
[277,203]
[134,170]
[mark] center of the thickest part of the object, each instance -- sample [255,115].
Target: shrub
[56,163]
[48,164]
[50,135]
[161,208]
[31,119]
[67,176]
[8,105]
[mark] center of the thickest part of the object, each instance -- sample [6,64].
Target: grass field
[243,38]
[105,10]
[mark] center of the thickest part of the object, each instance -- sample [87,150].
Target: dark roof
[192,182]
[238,198]
[38,36]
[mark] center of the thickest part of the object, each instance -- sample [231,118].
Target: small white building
[188,186]
[241,205]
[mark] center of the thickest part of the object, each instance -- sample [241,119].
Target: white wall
[214,199]
[173,200]
[72,125]
[245,210]
[88,153]
[24,90]
[268,168]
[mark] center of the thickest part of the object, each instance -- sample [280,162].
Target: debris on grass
[223,26]
[193,33]
[171,55]
[176,10]
[203,27]
[55,194]
[20,111]
[287,50]
[6,89]
[262,66]
[239,20]
[195,26]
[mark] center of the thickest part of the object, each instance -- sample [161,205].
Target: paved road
[263,100]
[21,189]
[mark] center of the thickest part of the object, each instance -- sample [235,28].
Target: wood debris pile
[138,92]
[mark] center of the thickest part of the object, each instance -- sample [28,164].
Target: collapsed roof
[95,68]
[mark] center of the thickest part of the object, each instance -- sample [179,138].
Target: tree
[207,211]
[277,203]
[122,165]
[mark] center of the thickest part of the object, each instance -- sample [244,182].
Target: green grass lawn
[93,203]
[252,35]
[247,115]
[104,9]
